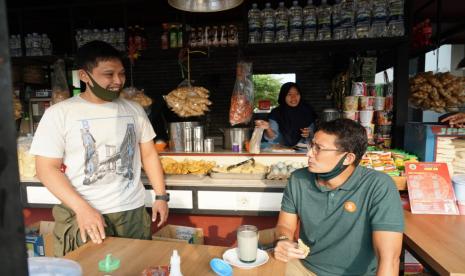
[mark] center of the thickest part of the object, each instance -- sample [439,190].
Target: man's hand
[286,250]
[160,207]
[456,119]
[91,223]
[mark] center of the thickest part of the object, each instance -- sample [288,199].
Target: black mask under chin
[102,93]
[336,171]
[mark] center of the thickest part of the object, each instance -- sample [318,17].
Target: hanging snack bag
[242,98]
[60,90]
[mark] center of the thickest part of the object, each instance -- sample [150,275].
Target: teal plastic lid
[108,264]
[220,267]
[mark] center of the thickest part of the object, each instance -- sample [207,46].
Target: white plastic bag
[256,139]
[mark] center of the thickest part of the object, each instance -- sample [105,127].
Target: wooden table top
[439,240]
[136,255]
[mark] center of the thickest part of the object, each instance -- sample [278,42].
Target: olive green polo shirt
[338,224]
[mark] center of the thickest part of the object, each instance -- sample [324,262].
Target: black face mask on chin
[336,171]
[102,93]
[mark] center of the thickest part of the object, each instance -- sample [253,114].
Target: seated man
[351,217]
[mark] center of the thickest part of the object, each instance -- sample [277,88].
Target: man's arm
[387,246]
[88,219]
[285,249]
[154,172]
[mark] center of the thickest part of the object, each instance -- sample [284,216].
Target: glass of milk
[247,243]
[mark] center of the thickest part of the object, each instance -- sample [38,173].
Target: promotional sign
[430,189]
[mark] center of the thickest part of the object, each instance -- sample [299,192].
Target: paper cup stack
[367,105]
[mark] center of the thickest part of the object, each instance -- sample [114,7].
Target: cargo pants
[134,224]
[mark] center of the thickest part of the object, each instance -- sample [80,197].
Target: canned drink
[187,146]
[198,145]
[198,132]
[187,133]
[208,145]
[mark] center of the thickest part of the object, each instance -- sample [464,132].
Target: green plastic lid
[108,264]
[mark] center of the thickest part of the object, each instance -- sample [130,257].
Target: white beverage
[247,240]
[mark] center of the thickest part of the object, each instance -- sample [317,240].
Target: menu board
[430,189]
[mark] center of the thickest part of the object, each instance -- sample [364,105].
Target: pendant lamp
[204,5]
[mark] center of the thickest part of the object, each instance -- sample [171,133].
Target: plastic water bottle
[28,44]
[255,28]
[378,26]
[362,21]
[295,22]
[36,45]
[324,21]
[175,264]
[46,45]
[338,30]
[282,23]
[105,36]
[347,18]
[268,20]
[12,45]
[121,39]
[309,21]
[396,18]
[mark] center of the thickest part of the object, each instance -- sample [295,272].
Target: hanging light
[204,5]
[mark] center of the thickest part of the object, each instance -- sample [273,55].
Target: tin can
[198,145]
[208,145]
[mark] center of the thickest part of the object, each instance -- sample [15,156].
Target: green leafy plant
[266,87]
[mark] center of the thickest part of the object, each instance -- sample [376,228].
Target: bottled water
[121,40]
[282,23]
[105,36]
[324,21]
[268,20]
[362,21]
[28,43]
[254,24]
[36,45]
[46,45]
[310,23]
[378,26]
[295,22]
[396,18]
[113,37]
[338,30]
[346,15]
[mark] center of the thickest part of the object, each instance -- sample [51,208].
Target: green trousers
[134,224]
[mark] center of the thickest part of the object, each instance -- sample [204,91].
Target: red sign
[430,189]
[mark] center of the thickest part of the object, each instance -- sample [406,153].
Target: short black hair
[90,54]
[350,136]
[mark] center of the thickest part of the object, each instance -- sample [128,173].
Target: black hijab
[292,119]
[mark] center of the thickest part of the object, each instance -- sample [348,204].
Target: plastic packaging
[324,21]
[295,22]
[362,21]
[309,21]
[39,266]
[60,90]
[254,24]
[175,264]
[220,267]
[256,139]
[282,23]
[268,20]
[242,98]
[26,161]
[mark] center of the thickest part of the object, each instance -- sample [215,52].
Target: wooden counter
[136,255]
[437,241]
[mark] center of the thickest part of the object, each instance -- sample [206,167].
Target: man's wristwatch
[280,238]
[165,197]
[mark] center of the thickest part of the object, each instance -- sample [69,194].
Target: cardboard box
[39,239]
[177,233]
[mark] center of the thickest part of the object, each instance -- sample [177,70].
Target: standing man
[351,217]
[101,141]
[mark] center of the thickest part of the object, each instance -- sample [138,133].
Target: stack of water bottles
[346,19]
[36,45]
[115,37]
[14,44]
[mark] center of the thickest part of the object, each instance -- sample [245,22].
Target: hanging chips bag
[242,99]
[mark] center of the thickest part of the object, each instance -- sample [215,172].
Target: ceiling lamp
[204,5]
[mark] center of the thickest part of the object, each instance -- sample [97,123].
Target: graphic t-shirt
[99,144]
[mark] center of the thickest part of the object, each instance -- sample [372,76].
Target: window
[267,86]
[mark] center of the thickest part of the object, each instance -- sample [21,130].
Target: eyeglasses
[316,149]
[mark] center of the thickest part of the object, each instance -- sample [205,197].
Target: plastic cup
[379,103]
[350,115]
[366,116]
[366,103]
[351,103]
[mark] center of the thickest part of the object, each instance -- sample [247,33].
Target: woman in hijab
[292,121]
